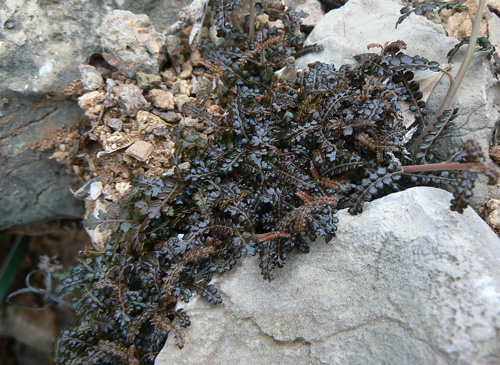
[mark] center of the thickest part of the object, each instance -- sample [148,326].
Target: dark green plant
[284,155]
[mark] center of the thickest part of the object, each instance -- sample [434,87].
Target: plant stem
[455,83]
[252,21]
[446,166]
[234,20]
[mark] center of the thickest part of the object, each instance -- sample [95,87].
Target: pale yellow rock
[149,119]
[192,122]
[90,100]
[182,87]
[183,99]
[162,99]
[123,187]
[186,74]
[459,25]
[493,213]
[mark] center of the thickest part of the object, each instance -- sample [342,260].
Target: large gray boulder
[42,43]
[406,282]
[347,31]
[34,189]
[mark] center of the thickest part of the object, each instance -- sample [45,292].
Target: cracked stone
[406,282]
[25,200]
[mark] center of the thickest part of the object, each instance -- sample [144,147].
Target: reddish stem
[446,166]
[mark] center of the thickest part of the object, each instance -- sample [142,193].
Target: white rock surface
[406,282]
[346,32]
[131,43]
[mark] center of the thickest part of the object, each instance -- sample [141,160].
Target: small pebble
[95,190]
[115,124]
[162,99]
[140,150]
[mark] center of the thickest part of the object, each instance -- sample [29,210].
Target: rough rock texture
[47,42]
[33,189]
[130,98]
[162,13]
[406,282]
[43,42]
[313,8]
[346,32]
[131,44]
[91,78]
[41,45]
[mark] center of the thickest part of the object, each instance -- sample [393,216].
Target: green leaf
[125,226]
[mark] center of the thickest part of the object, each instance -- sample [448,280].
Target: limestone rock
[42,41]
[147,81]
[346,32]
[492,213]
[130,98]
[147,121]
[91,103]
[459,25]
[131,43]
[96,190]
[91,78]
[41,45]
[182,99]
[162,13]
[406,282]
[314,11]
[182,87]
[162,99]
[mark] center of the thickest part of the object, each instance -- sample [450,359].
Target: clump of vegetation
[284,154]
